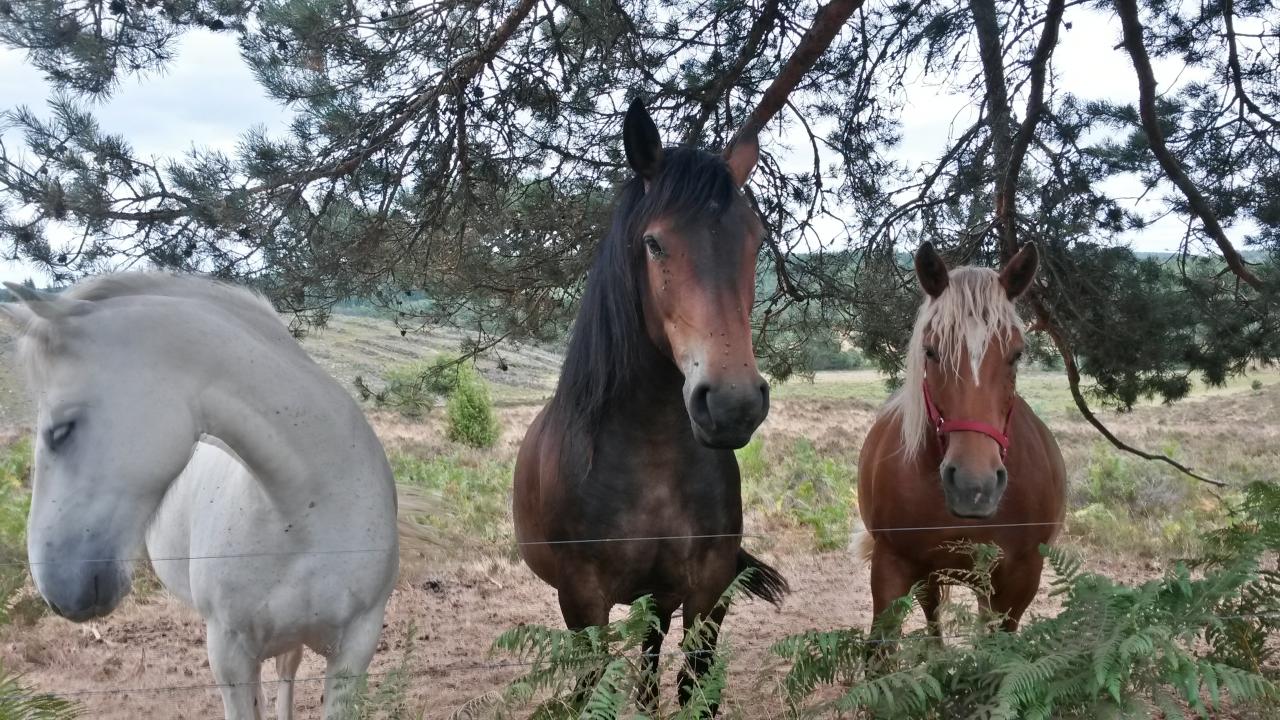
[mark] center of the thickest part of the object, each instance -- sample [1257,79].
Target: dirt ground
[147,660]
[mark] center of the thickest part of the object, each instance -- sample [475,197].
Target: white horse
[179,413]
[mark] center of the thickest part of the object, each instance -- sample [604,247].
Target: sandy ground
[147,660]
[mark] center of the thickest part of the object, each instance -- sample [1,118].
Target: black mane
[609,344]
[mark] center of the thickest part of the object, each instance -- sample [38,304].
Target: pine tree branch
[1133,43]
[1233,62]
[760,27]
[1007,191]
[986,24]
[454,80]
[826,25]
[1045,322]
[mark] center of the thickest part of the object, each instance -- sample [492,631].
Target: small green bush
[470,410]
[801,487]
[15,502]
[1111,480]
[1139,505]
[413,388]
[477,492]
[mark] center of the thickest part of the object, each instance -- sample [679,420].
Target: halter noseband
[942,426]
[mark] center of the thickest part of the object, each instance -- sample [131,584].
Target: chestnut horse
[626,483]
[956,454]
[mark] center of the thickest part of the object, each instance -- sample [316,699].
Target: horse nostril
[699,404]
[949,475]
[1002,478]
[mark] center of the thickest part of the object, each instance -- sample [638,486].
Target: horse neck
[290,424]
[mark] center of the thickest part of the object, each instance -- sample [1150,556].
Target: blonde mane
[973,309]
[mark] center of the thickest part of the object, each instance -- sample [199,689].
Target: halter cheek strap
[943,427]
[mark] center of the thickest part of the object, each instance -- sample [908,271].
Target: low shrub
[15,503]
[414,388]
[801,487]
[470,410]
[476,494]
[1140,505]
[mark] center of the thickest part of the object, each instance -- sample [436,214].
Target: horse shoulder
[874,468]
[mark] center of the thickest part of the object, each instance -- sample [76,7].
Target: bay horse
[956,455]
[179,415]
[626,483]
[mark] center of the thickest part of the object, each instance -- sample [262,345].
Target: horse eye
[654,248]
[931,354]
[58,434]
[1016,357]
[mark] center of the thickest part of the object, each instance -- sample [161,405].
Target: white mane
[965,317]
[38,334]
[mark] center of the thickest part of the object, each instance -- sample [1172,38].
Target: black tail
[763,581]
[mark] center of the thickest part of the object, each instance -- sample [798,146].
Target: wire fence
[462,667]
[525,543]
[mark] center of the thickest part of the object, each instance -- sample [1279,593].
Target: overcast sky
[208,98]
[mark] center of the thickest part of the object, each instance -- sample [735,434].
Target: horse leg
[930,603]
[236,668]
[583,605]
[349,662]
[287,668]
[701,654]
[1015,585]
[892,577]
[648,698]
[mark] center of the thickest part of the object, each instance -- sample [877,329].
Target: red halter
[943,426]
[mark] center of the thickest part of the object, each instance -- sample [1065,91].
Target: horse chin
[87,598]
[720,440]
[93,612]
[969,510]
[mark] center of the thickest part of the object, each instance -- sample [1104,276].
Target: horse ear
[641,140]
[1020,271]
[931,270]
[17,313]
[42,304]
[742,155]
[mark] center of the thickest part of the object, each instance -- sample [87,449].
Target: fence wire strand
[524,543]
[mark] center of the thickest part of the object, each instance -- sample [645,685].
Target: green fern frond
[18,702]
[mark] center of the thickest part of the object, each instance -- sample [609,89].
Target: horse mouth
[85,614]
[79,597]
[721,440]
[973,514]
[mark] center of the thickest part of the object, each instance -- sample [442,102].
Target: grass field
[799,487]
